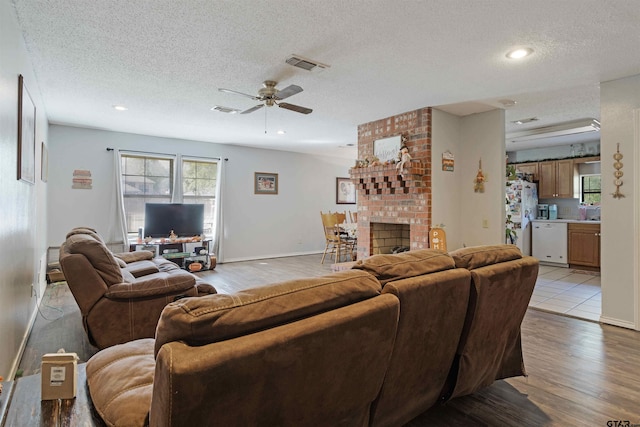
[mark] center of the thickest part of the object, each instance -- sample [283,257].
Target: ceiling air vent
[305,63]
[225,109]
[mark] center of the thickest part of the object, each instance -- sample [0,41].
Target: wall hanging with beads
[617,165]
[479,180]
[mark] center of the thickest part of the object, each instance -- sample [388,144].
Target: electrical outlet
[485,223]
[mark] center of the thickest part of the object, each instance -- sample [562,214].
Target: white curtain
[176,196]
[218,229]
[117,231]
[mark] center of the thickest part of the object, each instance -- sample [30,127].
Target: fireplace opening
[389,238]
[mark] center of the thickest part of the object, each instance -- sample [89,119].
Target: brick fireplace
[385,196]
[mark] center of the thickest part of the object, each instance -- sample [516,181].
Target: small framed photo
[265,183]
[345,191]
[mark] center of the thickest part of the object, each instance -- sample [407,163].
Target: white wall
[482,137]
[454,201]
[445,135]
[619,229]
[23,208]
[256,226]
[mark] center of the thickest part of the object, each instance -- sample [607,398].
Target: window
[144,180]
[590,189]
[199,179]
[149,179]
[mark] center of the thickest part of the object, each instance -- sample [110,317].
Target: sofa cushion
[141,268]
[390,267]
[479,256]
[98,255]
[134,256]
[120,380]
[213,318]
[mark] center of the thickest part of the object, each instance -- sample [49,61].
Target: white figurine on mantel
[405,158]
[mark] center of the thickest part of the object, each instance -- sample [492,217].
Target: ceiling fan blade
[239,93]
[288,91]
[252,109]
[296,108]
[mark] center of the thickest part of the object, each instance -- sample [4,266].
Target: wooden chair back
[329,219]
[341,217]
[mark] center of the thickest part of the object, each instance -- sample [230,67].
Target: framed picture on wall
[345,191]
[265,183]
[26,134]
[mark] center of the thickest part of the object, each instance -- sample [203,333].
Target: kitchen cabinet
[550,241]
[556,179]
[584,244]
[528,169]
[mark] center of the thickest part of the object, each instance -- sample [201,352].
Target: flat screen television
[185,220]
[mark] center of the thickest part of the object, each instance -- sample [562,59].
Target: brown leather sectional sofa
[373,346]
[121,295]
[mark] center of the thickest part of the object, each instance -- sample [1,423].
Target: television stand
[180,253]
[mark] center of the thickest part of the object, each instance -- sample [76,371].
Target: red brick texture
[385,196]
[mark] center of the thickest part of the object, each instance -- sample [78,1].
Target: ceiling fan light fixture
[519,53]
[300,61]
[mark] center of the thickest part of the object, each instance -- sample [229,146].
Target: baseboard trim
[25,338]
[255,258]
[5,399]
[617,322]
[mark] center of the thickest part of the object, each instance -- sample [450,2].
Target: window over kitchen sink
[590,189]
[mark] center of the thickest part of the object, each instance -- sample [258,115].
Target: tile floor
[572,292]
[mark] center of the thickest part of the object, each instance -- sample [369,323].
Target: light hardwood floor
[580,373]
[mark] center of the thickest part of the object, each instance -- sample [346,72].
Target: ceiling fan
[270,96]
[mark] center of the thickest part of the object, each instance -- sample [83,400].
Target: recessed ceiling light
[506,103]
[523,121]
[120,107]
[519,53]
[281,132]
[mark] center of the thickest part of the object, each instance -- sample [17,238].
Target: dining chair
[353,217]
[333,243]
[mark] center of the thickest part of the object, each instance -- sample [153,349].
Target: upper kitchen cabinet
[529,169]
[556,179]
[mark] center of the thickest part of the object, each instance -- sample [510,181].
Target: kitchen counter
[586,221]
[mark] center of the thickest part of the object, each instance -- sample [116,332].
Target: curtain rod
[167,154]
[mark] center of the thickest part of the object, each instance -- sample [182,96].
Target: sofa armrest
[154,285]
[129,257]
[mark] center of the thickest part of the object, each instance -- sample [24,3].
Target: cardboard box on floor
[59,376]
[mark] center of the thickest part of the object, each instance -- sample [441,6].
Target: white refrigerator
[521,203]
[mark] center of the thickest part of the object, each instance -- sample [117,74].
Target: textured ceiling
[165,61]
